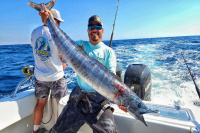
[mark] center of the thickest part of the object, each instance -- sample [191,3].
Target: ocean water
[171,81]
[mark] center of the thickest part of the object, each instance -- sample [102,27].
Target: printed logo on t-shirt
[42,48]
[99,58]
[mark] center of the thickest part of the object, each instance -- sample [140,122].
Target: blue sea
[171,81]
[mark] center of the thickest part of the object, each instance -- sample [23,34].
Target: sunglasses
[91,27]
[57,20]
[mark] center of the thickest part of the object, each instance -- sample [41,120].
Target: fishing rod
[113,26]
[192,75]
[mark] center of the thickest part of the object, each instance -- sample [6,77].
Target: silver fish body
[95,74]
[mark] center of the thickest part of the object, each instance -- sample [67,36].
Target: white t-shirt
[48,66]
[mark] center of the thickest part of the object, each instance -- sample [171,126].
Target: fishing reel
[28,70]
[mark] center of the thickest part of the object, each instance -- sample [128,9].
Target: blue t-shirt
[100,52]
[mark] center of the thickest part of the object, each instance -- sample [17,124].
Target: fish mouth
[150,111]
[138,116]
[142,119]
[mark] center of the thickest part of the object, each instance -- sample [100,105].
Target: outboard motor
[138,78]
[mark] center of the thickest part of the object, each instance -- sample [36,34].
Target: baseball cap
[56,14]
[95,18]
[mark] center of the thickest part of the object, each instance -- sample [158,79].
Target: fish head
[137,109]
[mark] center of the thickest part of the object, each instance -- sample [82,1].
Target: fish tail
[39,7]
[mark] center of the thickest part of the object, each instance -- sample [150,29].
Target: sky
[135,19]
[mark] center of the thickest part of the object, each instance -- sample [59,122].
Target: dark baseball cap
[95,18]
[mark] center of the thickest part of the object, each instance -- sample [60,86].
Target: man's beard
[96,38]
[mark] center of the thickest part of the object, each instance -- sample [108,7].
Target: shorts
[58,88]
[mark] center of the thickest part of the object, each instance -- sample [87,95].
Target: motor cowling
[138,78]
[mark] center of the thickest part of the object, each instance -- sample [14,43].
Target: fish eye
[139,105]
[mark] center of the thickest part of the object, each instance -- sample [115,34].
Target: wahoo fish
[92,72]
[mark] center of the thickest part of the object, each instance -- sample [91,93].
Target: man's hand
[123,108]
[44,15]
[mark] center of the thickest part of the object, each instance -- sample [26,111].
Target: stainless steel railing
[29,72]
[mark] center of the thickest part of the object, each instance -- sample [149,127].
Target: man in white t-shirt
[48,72]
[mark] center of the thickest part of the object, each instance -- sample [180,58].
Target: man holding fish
[95,65]
[85,104]
[48,71]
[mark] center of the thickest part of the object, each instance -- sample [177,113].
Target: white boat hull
[16,115]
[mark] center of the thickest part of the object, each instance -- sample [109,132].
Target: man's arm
[112,62]
[44,15]
[32,38]
[63,64]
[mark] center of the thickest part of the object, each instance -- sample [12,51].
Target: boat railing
[197,126]
[29,72]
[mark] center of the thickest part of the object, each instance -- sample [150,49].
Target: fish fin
[35,6]
[82,47]
[117,77]
[50,4]
[38,6]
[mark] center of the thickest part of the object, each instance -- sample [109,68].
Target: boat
[17,111]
